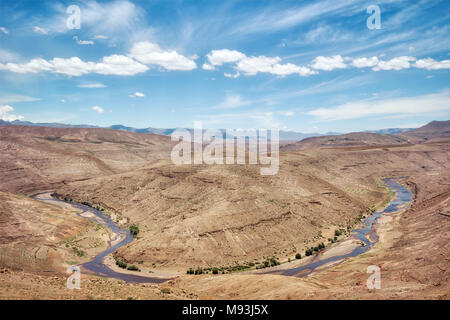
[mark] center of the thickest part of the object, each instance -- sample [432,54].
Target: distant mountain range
[284,135]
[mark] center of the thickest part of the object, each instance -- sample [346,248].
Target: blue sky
[308,66]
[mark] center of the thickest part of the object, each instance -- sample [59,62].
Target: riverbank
[118,237]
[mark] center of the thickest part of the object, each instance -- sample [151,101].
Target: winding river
[96,266]
[366,234]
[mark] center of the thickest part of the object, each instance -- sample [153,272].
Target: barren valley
[223,218]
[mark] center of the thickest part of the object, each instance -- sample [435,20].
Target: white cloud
[63,100]
[4,30]
[431,64]
[219,57]
[111,17]
[110,65]
[83,42]
[397,63]
[287,113]
[34,66]
[137,94]
[6,55]
[229,75]
[98,109]
[40,30]
[151,54]
[6,115]
[398,106]
[365,62]
[119,65]
[92,85]
[232,101]
[328,63]
[253,65]
[289,68]
[207,66]
[14,98]
[100,37]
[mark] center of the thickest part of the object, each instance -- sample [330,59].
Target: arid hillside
[433,131]
[36,158]
[33,234]
[216,216]
[413,255]
[347,140]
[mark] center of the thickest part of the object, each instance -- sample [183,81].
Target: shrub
[274,262]
[134,230]
[190,271]
[78,252]
[198,271]
[298,256]
[215,271]
[133,268]
[337,233]
[308,252]
[121,264]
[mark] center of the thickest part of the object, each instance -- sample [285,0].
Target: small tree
[133,268]
[298,256]
[134,230]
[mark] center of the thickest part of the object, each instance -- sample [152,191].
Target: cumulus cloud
[6,115]
[431,64]
[397,63]
[151,54]
[33,66]
[328,63]
[110,65]
[253,65]
[289,68]
[230,75]
[40,30]
[98,109]
[207,66]
[365,62]
[119,65]
[137,94]
[398,106]
[219,57]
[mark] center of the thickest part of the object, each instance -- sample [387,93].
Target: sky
[307,66]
